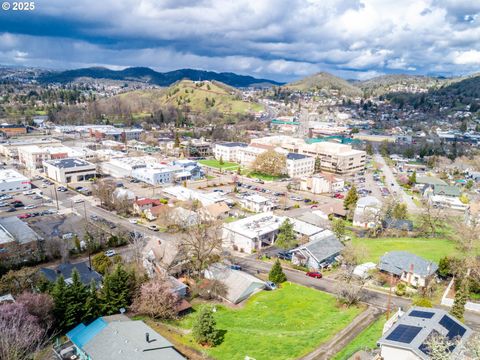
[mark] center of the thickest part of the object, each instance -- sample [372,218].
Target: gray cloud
[269,38]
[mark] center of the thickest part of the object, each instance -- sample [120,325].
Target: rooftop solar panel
[422,314]
[454,329]
[404,333]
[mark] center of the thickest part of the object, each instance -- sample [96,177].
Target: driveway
[393,186]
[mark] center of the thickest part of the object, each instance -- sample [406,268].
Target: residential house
[215,211]
[163,256]
[397,224]
[240,285]
[140,205]
[407,338]
[154,212]
[444,196]
[257,203]
[117,337]
[87,274]
[366,212]
[320,252]
[408,267]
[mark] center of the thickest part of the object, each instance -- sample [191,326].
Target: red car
[24,216]
[338,196]
[314,274]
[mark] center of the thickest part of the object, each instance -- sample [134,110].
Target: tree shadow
[220,336]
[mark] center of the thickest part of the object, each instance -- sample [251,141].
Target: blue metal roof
[82,334]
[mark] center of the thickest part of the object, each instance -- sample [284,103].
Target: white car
[29,192]
[78,201]
[133,221]
[30,207]
[153,227]
[110,253]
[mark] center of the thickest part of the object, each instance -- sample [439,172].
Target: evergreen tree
[75,295]
[338,228]
[58,294]
[276,274]
[286,238]
[400,211]
[369,149]
[412,179]
[91,308]
[177,140]
[458,308]
[205,328]
[350,201]
[221,162]
[117,291]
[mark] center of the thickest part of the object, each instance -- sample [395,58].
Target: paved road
[393,186]
[370,297]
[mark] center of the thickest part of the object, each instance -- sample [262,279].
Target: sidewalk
[344,337]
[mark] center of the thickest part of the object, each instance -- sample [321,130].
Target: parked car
[29,207]
[11,210]
[78,201]
[133,221]
[94,217]
[62,188]
[314,274]
[153,227]
[338,196]
[110,253]
[29,192]
[24,216]
[235,267]
[270,285]
[284,255]
[18,205]
[6,197]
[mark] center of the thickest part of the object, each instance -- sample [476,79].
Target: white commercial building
[155,176]
[185,194]
[69,170]
[336,158]
[322,183]
[299,165]
[252,233]
[257,203]
[248,155]
[13,181]
[32,157]
[228,151]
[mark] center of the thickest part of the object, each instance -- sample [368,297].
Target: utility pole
[389,303]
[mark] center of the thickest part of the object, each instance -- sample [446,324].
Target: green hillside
[198,96]
[325,82]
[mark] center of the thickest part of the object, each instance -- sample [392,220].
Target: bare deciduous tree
[203,243]
[439,347]
[431,219]
[466,234]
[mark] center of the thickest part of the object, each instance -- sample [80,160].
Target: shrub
[423,302]
[400,289]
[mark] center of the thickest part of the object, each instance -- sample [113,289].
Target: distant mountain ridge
[147,75]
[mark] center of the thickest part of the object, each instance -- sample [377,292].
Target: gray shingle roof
[322,246]
[446,190]
[396,262]
[86,275]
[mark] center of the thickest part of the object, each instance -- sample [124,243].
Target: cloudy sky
[277,39]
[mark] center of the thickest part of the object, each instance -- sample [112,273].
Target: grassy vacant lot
[367,339]
[282,324]
[429,248]
[216,164]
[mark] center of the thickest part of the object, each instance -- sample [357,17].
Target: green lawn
[265,176]
[216,164]
[430,248]
[282,324]
[367,339]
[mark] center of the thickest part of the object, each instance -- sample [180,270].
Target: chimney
[147,337]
